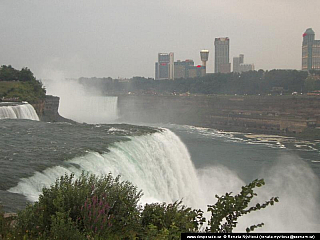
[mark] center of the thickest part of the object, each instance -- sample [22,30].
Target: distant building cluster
[310,51]
[167,68]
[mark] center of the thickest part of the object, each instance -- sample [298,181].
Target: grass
[24,91]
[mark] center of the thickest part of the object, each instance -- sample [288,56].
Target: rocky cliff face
[39,107]
[47,110]
[265,114]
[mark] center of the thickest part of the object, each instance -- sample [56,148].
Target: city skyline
[121,39]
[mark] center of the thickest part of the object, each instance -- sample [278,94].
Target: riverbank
[293,116]
[296,116]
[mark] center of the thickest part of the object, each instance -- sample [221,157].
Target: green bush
[62,227]
[170,220]
[7,224]
[71,197]
[107,208]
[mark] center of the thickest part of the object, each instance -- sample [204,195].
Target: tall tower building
[204,55]
[310,51]
[221,55]
[165,66]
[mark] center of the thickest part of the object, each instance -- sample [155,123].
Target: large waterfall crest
[19,111]
[158,163]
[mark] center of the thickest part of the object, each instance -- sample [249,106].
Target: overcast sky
[121,38]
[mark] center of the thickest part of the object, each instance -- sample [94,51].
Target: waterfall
[82,105]
[90,109]
[19,111]
[158,163]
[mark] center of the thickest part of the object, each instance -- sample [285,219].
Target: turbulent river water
[168,162]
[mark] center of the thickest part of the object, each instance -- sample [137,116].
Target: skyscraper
[310,51]
[239,66]
[221,55]
[165,66]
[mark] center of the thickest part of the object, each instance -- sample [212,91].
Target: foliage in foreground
[107,208]
[228,208]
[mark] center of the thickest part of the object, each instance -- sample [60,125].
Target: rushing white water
[297,187]
[159,164]
[90,109]
[80,104]
[19,111]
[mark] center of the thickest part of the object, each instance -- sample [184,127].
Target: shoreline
[287,116]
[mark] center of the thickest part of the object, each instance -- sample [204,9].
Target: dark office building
[164,68]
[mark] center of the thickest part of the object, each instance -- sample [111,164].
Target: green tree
[8,73]
[25,75]
[227,210]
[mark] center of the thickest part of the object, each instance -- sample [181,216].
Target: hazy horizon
[122,38]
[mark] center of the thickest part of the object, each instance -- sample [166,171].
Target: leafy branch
[228,208]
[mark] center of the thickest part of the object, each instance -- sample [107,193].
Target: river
[168,162]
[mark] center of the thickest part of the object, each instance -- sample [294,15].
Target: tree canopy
[252,82]
[8,73]
[21,85]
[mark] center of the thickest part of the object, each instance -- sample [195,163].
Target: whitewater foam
[298,189]
[159,164]
[90,109]
[19,111]
[82,105]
